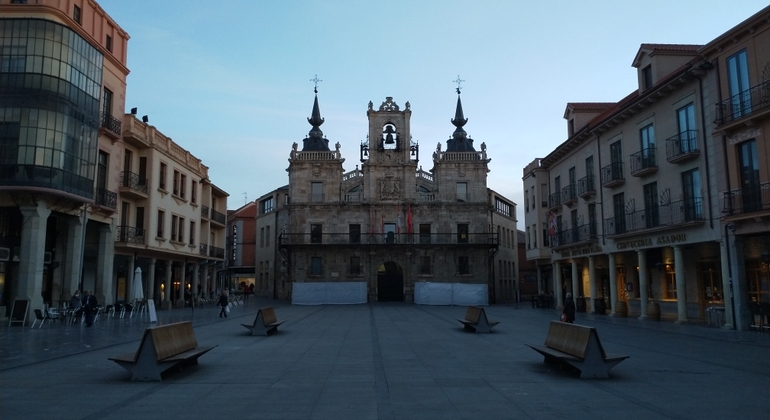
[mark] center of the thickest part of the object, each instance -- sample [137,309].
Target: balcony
[580,234]
[133,185]
[644,163]
[612,175]
[554,201]
[662,216]
[586,187]
[747,200]
[751,102]
[216,252]
[110,126]
[387,238]
[130,235]
[106,200]
[569,195]
[682,147]
[218,217]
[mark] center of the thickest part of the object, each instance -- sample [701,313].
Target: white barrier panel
[460,294]
[328,293]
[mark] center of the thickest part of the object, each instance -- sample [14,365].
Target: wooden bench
[162,348]
[579,346]
[264,323]
[476,320]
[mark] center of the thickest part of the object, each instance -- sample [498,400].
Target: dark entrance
[390,283]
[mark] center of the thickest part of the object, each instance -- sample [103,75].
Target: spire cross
[315,81]
[459,82]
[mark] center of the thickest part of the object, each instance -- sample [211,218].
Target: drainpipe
[705,147]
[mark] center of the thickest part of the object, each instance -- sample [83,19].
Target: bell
[389,135]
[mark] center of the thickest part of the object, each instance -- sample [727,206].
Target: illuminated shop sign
[648,242]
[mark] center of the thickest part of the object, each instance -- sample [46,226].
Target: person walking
[89,307]
[223,303]
[569,309]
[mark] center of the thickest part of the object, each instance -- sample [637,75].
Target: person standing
[569,309]
[89,307]
[223,303]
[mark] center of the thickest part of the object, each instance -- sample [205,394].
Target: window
[316,266]
[162,176]
[194,192]
[647,77]
[354,233]
[618,206]
[557,184]
[317,192]
[161,223]
[192,233]
[464,266]
[424,233]
[574,222]
[462,191]
[751,191]
[76,14]
[101,171]
[687,131]
[355,266]
[266,205]
[543,195]
[261,237]
[108,43]
[529,241]
[651,217]
[526,203]
[180,236]
[389,232]
[670,282]
[425,266]
[590,173]
[267,235]
[738,78]
[174,224]
[316,232]
[691,189]
[505,208]
[462,233]
[182,185]
[176,182]
[139,221]
[107,107]
[592,220]
[647,137]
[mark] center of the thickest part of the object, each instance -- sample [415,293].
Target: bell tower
[389,157]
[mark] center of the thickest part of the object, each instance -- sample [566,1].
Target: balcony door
[749,167]
[686,119]
[693,209]
[101,172]
[738,79]
[651,217]
[616,157]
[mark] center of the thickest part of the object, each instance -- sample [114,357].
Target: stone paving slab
[384,361]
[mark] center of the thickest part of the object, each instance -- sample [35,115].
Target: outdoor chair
[42,317]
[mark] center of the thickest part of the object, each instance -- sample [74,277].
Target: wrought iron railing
[747,200]
[554,200]
[387,238]
[671,214]
[586,186]
[106,198]
[133,181]
[612,174]
[682,144]
[218,217]
[582,233]
[216,252]
[643,160]
[130,234]
[111,124]
[746,103]
[569,194]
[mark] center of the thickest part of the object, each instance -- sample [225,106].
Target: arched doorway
[390,283]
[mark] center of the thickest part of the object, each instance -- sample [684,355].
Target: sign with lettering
[577,252]
[649,242]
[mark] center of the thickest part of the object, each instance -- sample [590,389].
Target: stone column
[575,281]
[179,303]
[557,285]
[725,264]
[31,254]
[167,287]
[592,283]
[194,286]
[151,279]
[613,282]
[681,286]
[740,286]
[539,279]
[74,259]
[104,291]
[130,278]
[643,279]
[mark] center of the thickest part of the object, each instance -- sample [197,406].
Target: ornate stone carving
[389,105]
[389,189]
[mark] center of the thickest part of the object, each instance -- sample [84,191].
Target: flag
[409,219]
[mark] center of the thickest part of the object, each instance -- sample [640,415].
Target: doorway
[390,283]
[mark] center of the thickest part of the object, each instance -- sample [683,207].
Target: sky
[230,81]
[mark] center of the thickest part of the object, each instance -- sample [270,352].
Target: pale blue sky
[230,80]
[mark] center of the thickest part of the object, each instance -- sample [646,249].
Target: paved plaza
[384,361]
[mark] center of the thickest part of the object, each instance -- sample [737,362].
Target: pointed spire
[315,140]
[460,142]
